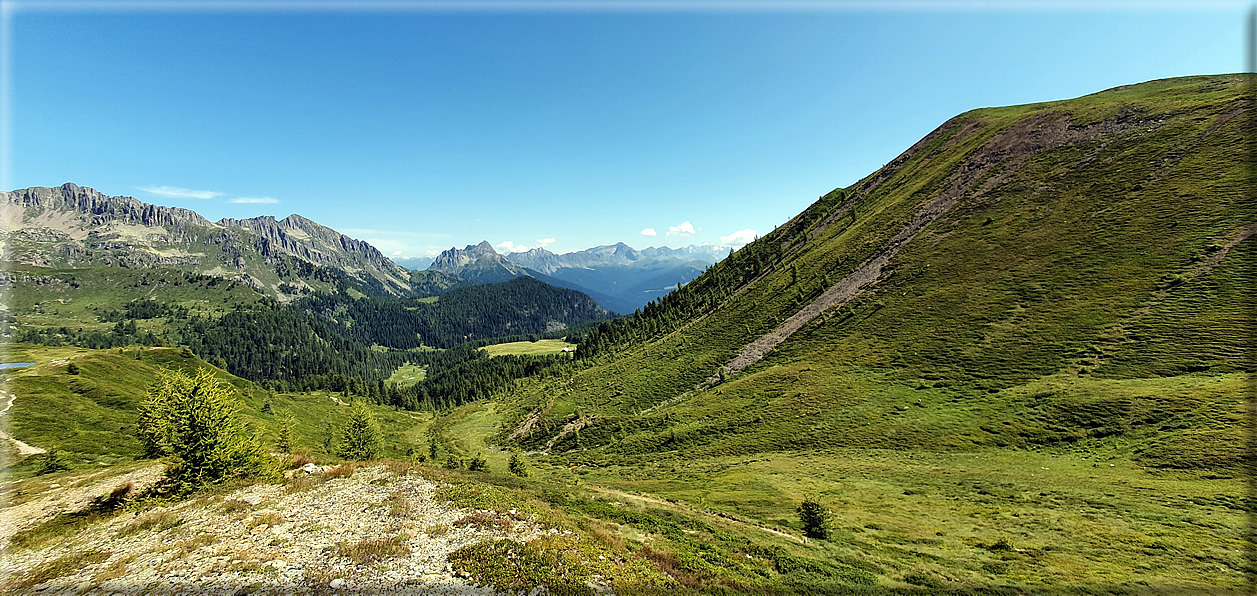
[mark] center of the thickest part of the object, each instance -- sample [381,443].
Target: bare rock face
[76,226]
[478,263]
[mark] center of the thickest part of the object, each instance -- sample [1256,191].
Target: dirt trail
[724,516]
[22,448]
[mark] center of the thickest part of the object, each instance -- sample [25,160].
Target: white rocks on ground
[268,537]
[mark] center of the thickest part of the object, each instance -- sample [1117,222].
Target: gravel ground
[262,539]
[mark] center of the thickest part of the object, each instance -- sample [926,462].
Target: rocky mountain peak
[82,226]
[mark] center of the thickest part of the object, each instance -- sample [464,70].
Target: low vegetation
[1032,394]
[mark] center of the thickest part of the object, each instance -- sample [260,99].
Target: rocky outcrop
[99,209]
[75,226]
[319,244]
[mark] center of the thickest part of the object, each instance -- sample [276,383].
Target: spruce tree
[287,424]
[516,465]
[815,518]
[53,461]
[361,439]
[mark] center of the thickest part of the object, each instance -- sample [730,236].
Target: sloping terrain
[1026,287]
[1014,360]
[310,536]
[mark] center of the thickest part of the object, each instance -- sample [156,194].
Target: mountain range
[1017,358]
[74,226]
[618,276]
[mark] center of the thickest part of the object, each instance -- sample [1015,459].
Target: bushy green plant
[52,461]
[516,464]
[194,419]
[361,439]
[478,464]
[815,518]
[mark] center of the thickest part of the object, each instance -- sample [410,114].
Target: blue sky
[422,129]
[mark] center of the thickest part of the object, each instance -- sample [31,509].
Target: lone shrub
[478,464]
[815,518]
[194,419]
[516,465]
[361,439]
[286,425]
[52,461]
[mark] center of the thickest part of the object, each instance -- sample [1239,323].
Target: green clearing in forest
[541,347]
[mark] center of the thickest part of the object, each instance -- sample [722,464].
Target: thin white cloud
[649,232]
[544,242]
[255,200]
[433,252]
[509,247]
[175,192]
[397,253]
[685,229]
[739,237]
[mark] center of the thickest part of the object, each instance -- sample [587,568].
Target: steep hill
[1026,287]
[76,227]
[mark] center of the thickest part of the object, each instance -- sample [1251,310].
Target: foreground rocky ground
[333,530]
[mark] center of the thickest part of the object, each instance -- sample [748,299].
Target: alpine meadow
[1016,359]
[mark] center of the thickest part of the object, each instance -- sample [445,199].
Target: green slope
[1072,242]
[1027,287]
[90,414]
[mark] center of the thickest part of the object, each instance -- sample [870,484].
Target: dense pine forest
[352,345]
[518,307]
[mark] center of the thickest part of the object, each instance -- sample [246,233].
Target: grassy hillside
[90,414]
[1045,302]
[1014,360]
[44,298]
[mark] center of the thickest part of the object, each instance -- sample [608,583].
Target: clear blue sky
[419,130]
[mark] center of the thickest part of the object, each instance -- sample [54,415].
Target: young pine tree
[516,465]
[361,439]
[194,419]
[53,461]
[286,426]
[815,518]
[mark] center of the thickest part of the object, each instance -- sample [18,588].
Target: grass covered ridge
[1076,324]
